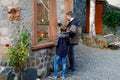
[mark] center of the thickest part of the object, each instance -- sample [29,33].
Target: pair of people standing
[65,42]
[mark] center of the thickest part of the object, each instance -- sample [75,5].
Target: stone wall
[79,8]
[42,60]
[60,11]
[10,30]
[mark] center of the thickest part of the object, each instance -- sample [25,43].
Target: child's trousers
[57,59]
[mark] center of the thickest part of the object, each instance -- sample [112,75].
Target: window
[44,23]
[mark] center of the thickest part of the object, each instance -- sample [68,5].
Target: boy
[61,43]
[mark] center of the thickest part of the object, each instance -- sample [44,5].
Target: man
[72,28]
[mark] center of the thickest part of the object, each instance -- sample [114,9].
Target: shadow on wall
[79,8]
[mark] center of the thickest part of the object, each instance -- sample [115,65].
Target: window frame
[52,26]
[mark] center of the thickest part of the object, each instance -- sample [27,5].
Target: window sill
[42,45]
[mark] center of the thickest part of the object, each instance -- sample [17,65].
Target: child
[61,44]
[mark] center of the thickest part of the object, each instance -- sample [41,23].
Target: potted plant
[40,38]
[18,54]
[112,19]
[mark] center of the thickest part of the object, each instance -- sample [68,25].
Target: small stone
[46,58]
[42,60]
[28,65]
[40,54]
[32,58]
[3,64]
[37,61]
[44,54]
[41,66]
[33,64]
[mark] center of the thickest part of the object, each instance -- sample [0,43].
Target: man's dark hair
[70,13]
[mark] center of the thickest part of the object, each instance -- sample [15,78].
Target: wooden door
[98,17]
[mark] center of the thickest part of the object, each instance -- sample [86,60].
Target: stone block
[4,31]
[45,64]
[26,4]
[42,60]
[33,64]
[28,63]
[26,15]
[9,2]
[3,14]
[40,66]
[6,74]
[46,59]
[40,55]
[32,58]
[37,61]
[48,52]
[4,22]
[3,77]
[3,64]
[4,40]
[42,72]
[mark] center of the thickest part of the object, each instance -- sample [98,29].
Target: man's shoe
[70,69]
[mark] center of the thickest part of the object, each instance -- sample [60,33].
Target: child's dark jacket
[62,42]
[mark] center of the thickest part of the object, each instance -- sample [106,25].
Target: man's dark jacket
[72,28]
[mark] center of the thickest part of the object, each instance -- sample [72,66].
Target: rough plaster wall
[10,30]
[60,11]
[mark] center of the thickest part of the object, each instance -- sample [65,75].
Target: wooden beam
[34,28]
[53,20]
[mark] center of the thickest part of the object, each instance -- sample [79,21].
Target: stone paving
[95,64]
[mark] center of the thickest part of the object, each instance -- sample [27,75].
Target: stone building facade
[10,30]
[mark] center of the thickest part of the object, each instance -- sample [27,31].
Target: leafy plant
[18,54]
[112,19]
[40,39]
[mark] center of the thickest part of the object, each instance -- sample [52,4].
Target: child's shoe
[52,77]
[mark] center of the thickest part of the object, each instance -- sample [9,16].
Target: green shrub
[112,19]
[18,54]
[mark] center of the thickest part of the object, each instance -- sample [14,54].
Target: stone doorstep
[111,41]
[1,69]
[5,73]
[115,43]
[108,35]
[3,77]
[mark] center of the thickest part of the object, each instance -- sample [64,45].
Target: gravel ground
[95,64]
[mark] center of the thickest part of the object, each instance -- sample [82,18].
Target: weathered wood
[53,20]
[112,40]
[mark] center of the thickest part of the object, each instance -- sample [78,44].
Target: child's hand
[59,24]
